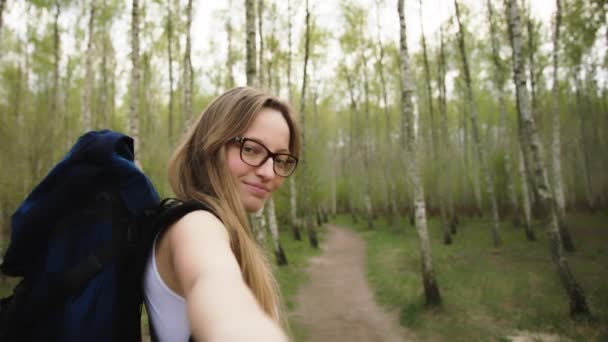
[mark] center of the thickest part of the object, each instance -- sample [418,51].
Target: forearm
[229,313]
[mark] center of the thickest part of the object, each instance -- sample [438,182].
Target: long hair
[198,171]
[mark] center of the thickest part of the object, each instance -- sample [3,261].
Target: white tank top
[166,309]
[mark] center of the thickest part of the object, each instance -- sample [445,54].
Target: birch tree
[310,228]
[578,303]
[279,253]
[480,149]
[56,62]
[293,195]
[558,184]
[2,5]
[250,69]
[169,33]
[447,236]
[230,52]
[391,187]
[505,142]
[188,70]
[87,103]
[135,75]
[431,290]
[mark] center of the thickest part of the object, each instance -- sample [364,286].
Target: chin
[253,205]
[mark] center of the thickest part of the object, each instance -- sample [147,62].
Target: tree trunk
[258,225]
[354,148]
[435,149]
[393,215]
[431,290]
[525,196]
[105,109]
[505,142]
[188,71]
[586,170]
[56,61]
[87,103]
[260,72]
[279,254]
[312,233]
[293,195]
[578,303]
[170,57]
[230,53]
[445,137]
[250,42]
[2,5]
[134,105]
[367,199]
[481,152]
[558,184]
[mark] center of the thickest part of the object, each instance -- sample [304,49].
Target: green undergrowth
[488,293]
[293,275]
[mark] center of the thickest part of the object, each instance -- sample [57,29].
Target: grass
[292,276]
[489,293]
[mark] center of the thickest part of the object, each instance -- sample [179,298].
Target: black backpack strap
[172,210]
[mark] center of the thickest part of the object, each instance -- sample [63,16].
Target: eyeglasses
[255,154]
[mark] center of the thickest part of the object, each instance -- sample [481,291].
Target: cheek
[278,181]
[235,165]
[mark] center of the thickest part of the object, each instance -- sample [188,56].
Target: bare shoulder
[198,223]
[199,246]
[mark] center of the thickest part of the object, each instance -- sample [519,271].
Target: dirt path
[337,303]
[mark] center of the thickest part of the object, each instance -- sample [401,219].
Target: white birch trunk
[87,103]
[2,5]
[393,215]
[230,54]
[258,225]
[134,105]
[367,199]
[435,149]
[558,183]
[578,303]
[274,231]
[310,228]
[293,196]
[445,136]
[250,69]
[187,71]
[504,134]
[525,197]
[481,152]
[260,71]
[431,289]
[170,58]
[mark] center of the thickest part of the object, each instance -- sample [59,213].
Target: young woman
[207,278]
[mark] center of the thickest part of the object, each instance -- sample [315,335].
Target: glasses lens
[253,153]
[284,164]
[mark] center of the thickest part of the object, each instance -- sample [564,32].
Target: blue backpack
[80,241]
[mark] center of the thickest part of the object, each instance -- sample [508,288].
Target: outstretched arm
[220,305]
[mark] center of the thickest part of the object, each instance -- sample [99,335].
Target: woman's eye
[251,150]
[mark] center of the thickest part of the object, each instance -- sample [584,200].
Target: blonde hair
[198,171]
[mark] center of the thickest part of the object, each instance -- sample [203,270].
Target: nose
[266,170]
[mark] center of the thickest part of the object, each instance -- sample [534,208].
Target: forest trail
[337,304]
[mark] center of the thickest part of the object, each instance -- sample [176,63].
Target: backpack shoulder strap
[172,210]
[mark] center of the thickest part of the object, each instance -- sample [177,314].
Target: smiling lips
[258,190]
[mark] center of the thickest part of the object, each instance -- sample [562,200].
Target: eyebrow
[283,150]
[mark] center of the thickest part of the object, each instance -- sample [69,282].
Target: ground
[337,304]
